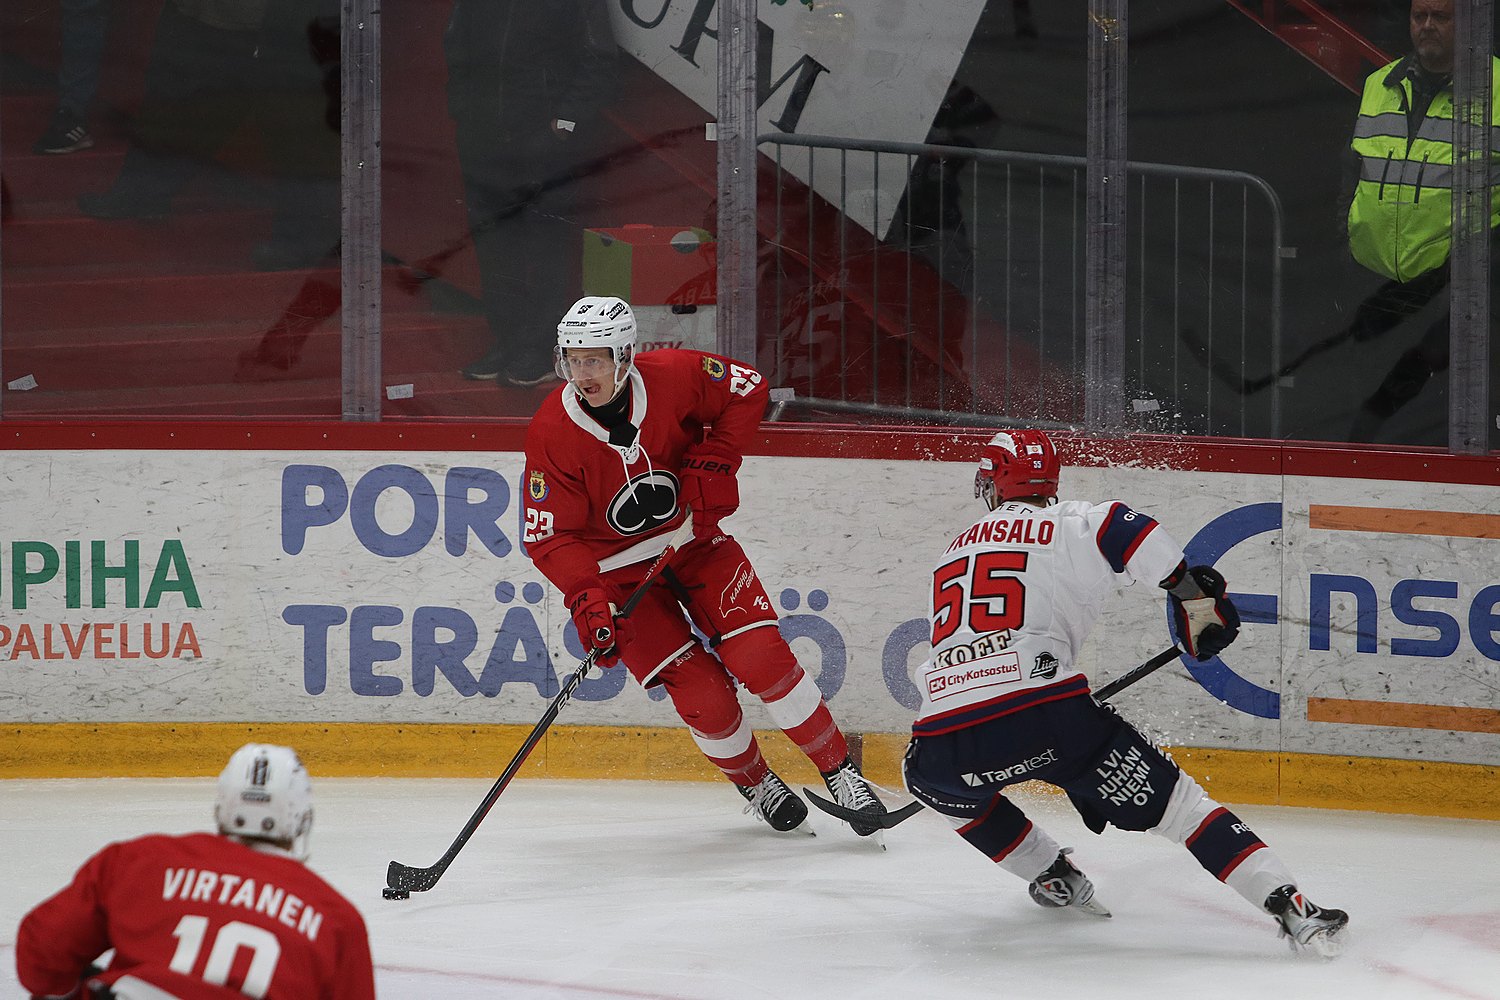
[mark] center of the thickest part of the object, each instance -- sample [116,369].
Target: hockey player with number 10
[612,459]
[205,916]
[1013,598]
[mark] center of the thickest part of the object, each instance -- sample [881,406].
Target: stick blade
[407,879]
[885,822]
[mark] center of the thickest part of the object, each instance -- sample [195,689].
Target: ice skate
[774,802]
[1064,885]
[850,790]
[1307,927]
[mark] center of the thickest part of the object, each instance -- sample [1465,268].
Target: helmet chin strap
[622,376]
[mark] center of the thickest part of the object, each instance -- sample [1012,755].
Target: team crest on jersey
[715,368]
[643,503]
[536,485]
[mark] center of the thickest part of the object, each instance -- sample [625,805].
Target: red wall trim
[1338,461]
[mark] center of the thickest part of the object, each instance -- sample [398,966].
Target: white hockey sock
[1033,855]
[1259,875]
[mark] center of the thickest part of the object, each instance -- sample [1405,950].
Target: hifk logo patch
[536,485]
[714,368]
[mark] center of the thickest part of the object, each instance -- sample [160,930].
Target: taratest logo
[1014,771]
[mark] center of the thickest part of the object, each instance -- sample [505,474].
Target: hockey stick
[909,810]
[1124,681]
[1244,384]
[402,880]
[884,821]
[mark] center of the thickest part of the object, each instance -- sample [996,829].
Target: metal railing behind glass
[922,282]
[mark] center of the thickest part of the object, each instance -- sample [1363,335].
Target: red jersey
[596,501]
[203,917]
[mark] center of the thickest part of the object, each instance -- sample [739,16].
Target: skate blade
[804,827]
[1326,944]
[1094,907]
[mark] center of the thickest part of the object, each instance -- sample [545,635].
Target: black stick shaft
[399,876]
[1124,681]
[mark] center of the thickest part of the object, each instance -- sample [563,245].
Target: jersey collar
[575,411]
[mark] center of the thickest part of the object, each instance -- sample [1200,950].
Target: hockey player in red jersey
[1013,598]
[612,458]
[206,916]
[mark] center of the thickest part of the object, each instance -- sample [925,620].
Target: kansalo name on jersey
[986,645]
[1023,531]
[193,885]
[1048,756]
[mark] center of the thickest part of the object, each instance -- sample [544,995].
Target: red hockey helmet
[1021,463]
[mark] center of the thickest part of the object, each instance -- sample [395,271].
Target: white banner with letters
[370,586]
[876,69]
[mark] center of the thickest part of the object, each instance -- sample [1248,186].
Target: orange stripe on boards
[1393,520]
[1404,714]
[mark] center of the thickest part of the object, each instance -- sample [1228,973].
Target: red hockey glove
[709,486]
[594,613]
[1207,621]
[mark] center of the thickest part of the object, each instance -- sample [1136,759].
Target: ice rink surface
[593,889]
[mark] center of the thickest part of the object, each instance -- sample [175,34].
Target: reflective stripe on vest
[1400,219]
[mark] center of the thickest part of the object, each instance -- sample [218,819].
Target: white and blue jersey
[1013,598]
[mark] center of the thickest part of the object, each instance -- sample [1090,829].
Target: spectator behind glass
[82,27]
[214,65]
[526,84]
[1400,215]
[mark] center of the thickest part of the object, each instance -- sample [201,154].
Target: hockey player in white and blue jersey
[1003,701]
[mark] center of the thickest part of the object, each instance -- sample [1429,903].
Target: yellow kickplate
[449,750]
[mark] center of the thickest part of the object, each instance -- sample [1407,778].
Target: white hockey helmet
[264,794]
[600,321]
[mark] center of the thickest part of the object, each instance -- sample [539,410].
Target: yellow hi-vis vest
[1401,217]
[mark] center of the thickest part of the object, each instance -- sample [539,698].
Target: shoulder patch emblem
[714,367]
[536,485]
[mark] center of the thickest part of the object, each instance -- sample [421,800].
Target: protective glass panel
[920,210]
[535,153]
[171,208]
[1289,271]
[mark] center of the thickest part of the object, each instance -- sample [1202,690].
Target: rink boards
[170,591]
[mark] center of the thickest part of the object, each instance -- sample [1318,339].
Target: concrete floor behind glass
[585,889]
